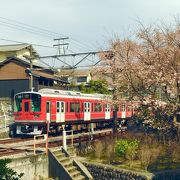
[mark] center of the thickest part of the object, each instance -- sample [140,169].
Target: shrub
[127,148]
[8,173]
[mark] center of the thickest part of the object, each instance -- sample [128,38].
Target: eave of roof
[17,47]
[13,47]
[24,61]
[48,76]
[74,72]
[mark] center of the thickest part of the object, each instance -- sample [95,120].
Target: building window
[74,107]
[97,107]
[82,79]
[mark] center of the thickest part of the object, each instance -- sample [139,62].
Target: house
[75,76]
[15,77]
[17,50]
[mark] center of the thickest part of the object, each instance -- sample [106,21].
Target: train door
[123,108]
[87,111]
[26,108]
[107,111]
[60,111]
[48,111]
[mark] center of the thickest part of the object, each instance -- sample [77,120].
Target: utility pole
[31,76]
[61,45]
[30,69]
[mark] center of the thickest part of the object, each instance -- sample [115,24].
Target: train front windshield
[32,102]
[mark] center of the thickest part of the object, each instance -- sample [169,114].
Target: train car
[59,109]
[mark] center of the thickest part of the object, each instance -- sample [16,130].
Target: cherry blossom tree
[148,71]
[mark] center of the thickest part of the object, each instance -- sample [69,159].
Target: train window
[74,107]
[57,106]
[26,106]
[18,103]
[48,103]
[35,103]
[62,106]
[129,108]
[26,96]
[107,108]
[123,107]
[87,106]
[67,107]
[97,107]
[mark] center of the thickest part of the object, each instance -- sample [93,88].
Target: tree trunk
[115,121]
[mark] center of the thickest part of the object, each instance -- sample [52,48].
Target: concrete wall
[32,166]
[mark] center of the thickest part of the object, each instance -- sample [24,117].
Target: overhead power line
[13,24]
[34,27]
[40,45]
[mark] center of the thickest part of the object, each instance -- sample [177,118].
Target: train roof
[68,94]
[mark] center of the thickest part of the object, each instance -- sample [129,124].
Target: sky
[89,24]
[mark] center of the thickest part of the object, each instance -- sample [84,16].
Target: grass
[4,135]
[152,156]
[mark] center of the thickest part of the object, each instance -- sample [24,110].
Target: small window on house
[97,107]
[82,79]
[74,107]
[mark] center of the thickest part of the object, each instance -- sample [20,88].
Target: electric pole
[30,69]
[61,45]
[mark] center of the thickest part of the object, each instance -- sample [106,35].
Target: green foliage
[99,86]
[7,173]
[127,148]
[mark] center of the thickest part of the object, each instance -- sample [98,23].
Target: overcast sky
[88,23]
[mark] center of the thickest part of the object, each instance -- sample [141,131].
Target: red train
[74,110]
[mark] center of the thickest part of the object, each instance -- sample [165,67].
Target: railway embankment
[36,166]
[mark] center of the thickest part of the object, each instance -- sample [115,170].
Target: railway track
[13,140]
[10,146]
